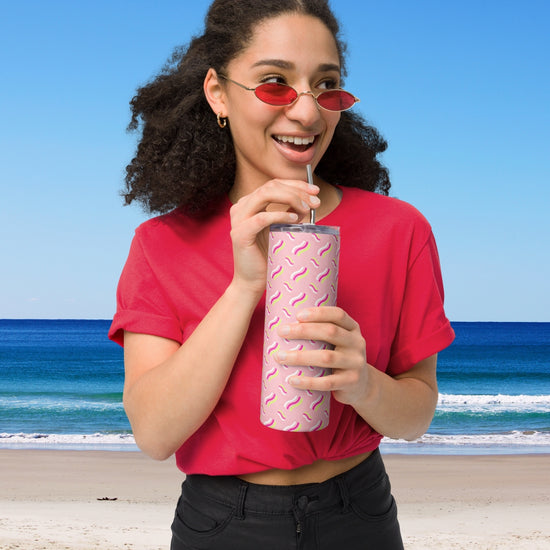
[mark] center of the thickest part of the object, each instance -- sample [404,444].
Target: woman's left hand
[350,372]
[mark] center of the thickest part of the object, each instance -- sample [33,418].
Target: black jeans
[351,511]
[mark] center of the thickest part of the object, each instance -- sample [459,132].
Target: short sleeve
[142,304]
[423,328]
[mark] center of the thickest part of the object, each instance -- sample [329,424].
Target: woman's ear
[214,93]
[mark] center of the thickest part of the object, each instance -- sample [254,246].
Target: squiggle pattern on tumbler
[302,272]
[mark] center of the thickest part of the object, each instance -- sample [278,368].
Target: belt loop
[239,512]
[344,494]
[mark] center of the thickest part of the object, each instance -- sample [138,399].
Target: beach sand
[62,500]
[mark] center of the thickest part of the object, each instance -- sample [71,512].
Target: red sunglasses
[275,93]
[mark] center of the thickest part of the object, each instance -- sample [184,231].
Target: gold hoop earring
[222,121]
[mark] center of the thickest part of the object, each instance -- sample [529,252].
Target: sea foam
[502,403]
[96,441]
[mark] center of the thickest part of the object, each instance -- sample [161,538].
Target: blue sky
[459,89]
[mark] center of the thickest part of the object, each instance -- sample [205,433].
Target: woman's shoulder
[177,224]
[380,207]
[162,222]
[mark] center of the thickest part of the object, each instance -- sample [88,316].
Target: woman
[225,155]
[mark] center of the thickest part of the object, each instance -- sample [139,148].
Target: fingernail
[284,330]
[294,381]
[293,216]
[303,315]
[315,201]
[281,355]
[305,205]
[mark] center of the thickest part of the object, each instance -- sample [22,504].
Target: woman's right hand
[277,201]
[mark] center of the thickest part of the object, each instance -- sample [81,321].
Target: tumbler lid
[305,228]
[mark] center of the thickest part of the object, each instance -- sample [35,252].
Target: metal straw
[310,181]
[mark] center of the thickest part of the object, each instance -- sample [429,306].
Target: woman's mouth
[295,143]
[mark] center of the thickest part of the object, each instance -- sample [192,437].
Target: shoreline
[56,499]
[513,443]
[385,449]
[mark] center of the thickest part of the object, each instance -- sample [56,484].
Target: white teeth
[296,140]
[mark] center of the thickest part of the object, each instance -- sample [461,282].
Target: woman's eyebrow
[274,63]
[282,64]
[327,67]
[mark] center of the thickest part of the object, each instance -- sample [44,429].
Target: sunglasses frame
[298,94]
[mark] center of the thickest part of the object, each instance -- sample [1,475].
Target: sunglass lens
[276,94]
[336,100]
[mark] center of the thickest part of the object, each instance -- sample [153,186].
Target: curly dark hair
[184,159]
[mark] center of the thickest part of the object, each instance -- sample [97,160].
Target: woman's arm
[399,407]
[171,389]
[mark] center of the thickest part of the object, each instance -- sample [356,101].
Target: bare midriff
[317,472]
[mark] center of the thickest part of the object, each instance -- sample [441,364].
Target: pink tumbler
[302,272]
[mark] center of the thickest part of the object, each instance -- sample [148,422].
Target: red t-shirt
[389,282]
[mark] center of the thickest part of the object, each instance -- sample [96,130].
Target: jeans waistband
[232,491]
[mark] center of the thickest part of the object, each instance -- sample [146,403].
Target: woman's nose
[304,109]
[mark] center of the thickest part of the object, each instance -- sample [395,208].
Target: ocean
[61,388]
